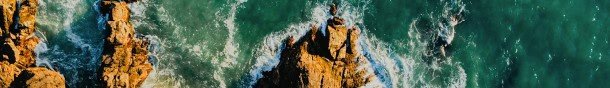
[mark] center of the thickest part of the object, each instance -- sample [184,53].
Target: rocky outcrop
[125,56]
[38,77]
[317,60]
[17,64]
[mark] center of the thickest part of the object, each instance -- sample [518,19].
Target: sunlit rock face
[17,64]
[125,56]
[318,60]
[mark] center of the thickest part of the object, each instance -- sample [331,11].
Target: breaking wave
[392,69]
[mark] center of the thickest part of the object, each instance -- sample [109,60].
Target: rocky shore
[318,60]
[17,65]
[124,61]
[125,55]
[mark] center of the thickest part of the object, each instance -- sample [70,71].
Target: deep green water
[227,43]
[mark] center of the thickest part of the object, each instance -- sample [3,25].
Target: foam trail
[231,48]
[164,74]
[70,9]
[49,21]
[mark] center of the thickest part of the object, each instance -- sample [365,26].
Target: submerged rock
[320,61]
[125,56]
[17,64]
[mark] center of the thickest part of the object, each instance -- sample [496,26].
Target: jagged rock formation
[317,60]
[18,29]
[125,57]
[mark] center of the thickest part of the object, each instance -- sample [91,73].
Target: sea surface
[229,43]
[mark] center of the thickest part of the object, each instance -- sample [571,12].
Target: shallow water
[228,43]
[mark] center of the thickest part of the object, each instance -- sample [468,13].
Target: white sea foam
[443,26]
[268,52]
[217,76]
[138,12]
[42,61]
[70,11]
[42,48]
[267,56]
[451,17]
[392,70]
[231,49]
[163,78]
[56,16]
[164,73]
[459,80]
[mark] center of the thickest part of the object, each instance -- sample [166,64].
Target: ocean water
[228,43]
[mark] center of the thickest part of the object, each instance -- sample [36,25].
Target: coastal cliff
[328,60]
[17,65]
[125,56]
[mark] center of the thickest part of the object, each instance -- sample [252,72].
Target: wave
[268,52]
[231,48]
[164,74]
[225,58]
[61,18]
[392,69]
[424,35]
[42,61]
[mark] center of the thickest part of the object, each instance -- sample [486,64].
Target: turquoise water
[228,43]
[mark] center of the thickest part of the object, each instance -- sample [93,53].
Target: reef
[125,55]
[316,60]
[17,65]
